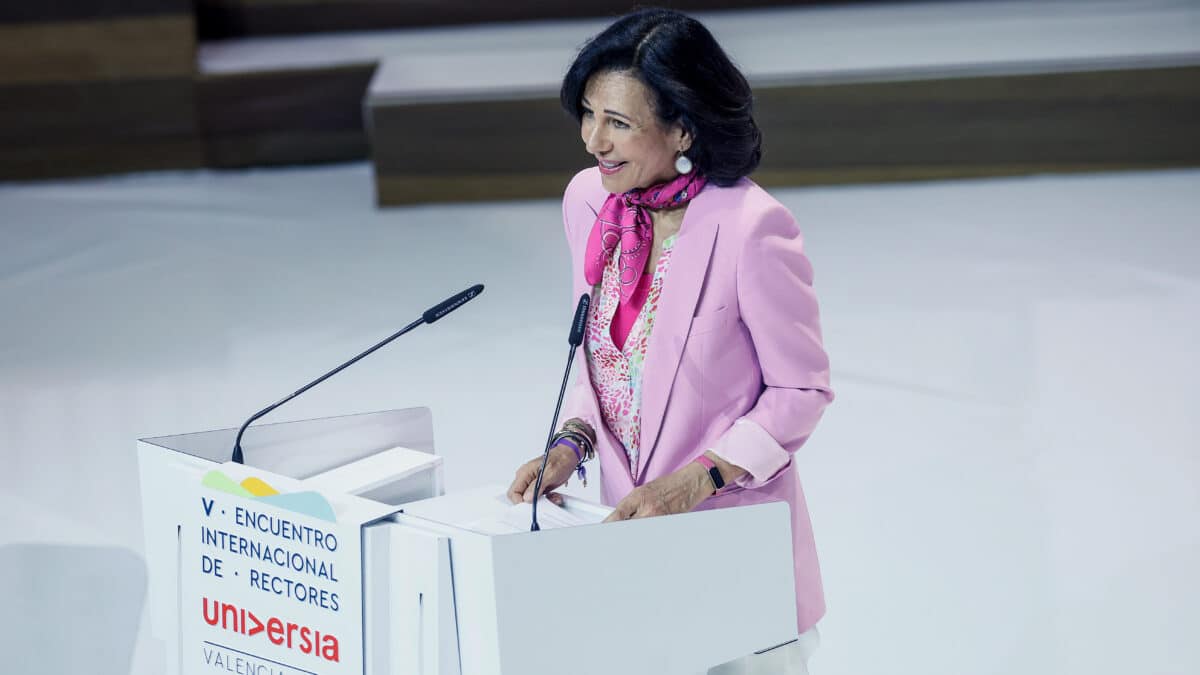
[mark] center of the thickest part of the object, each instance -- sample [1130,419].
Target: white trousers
[790,659]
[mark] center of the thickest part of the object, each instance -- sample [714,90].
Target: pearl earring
[682,164]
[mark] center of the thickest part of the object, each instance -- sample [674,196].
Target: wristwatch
[713,472]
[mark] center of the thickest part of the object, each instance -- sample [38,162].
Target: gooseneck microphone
[428,316]
[575,339]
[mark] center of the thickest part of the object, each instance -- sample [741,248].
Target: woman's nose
[594,140]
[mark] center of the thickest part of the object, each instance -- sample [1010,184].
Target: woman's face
[621,131]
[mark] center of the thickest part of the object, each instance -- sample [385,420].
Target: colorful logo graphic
[307,503]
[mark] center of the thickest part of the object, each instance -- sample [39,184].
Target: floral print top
[616,373]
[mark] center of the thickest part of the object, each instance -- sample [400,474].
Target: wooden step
[91,88]
[224,19]
[842,95]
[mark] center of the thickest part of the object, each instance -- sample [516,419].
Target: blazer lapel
[681,290]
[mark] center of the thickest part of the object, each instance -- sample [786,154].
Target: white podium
[334,550]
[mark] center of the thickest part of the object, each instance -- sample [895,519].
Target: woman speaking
[705,368]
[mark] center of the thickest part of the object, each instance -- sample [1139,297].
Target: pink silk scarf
[624,221]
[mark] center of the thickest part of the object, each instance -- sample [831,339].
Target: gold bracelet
[578,425]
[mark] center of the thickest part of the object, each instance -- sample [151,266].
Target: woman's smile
[609,168]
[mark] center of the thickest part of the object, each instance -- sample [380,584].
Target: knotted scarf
[624,221]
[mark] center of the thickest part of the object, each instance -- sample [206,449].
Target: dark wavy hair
[692,81]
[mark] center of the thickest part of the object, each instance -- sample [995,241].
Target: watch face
[716,477]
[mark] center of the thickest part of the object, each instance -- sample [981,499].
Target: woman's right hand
[559,467]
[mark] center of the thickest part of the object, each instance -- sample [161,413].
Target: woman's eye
[587,113]
[619,124]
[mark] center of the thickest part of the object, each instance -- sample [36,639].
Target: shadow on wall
[69,609]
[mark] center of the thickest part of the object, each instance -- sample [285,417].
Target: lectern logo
[309,503]
[280,632]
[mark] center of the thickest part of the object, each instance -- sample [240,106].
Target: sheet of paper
[507,518]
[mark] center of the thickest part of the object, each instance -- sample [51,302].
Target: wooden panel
[143,47]
[55,160]
[15,11]
[89,111]
[477,137]
[313,98]
[238,18]
[418,188]
[97,86]
[285,117]
[59,130]
[281,148]
[1103,117]
[825,133]
[920,172]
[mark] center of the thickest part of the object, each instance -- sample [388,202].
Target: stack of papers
[508,518]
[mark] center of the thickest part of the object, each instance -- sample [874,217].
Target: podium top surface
[485,510]
[306,448]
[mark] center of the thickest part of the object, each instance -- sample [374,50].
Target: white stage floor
[1008,482]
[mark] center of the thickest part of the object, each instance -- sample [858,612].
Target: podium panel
[260,565]
[333,551]
[529,603]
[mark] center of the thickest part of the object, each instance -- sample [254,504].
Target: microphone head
[580,322]
[450,304]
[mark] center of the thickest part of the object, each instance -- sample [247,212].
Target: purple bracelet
[579,469]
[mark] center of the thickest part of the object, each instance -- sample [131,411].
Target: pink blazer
[734,364]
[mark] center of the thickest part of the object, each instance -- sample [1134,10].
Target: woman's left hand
[678,492]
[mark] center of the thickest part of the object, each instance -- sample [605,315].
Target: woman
[705,369]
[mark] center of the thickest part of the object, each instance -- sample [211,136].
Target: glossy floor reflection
[1007,482]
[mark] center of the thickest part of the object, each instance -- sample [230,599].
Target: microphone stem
[537,488]
[237,444]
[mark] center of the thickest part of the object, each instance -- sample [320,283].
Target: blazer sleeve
[576,401]
[777,304]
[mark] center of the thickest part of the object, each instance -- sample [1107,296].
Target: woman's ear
[685,139]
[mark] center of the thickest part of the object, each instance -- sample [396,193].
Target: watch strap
[713,472]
